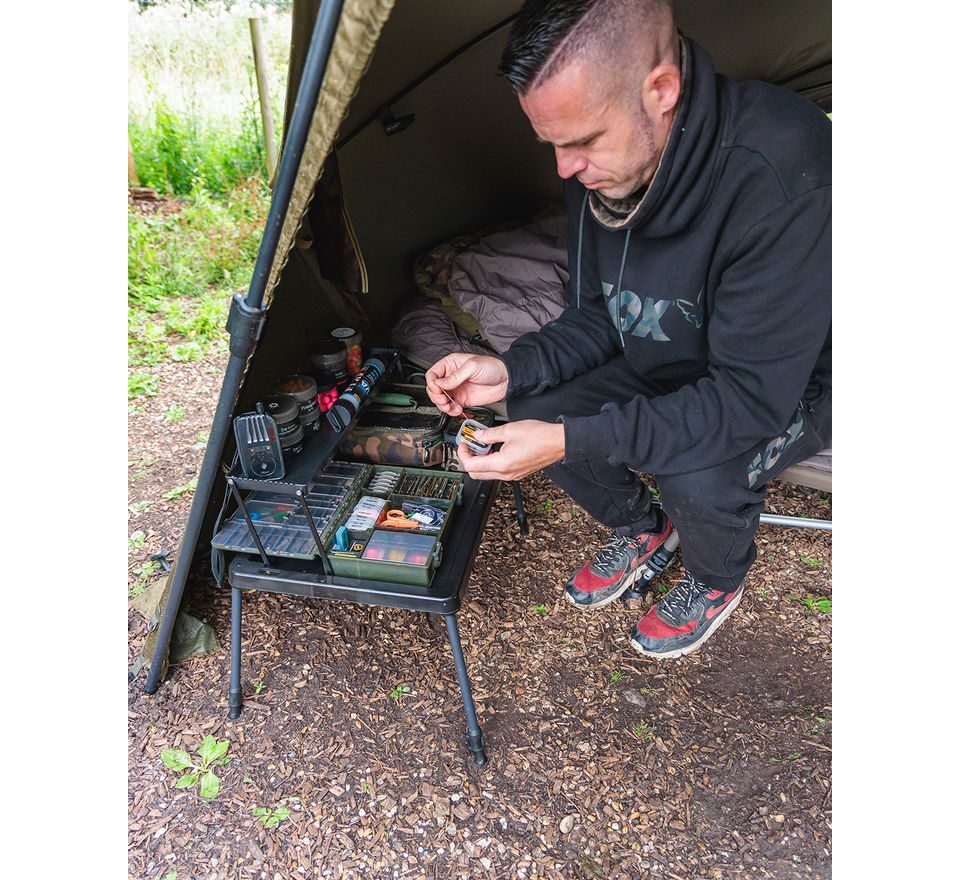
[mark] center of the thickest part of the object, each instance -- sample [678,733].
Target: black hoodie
[720,278]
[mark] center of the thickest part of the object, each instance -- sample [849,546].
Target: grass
[195,132]
[182,269]
[193,106]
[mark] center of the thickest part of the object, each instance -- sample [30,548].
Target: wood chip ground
[603,764]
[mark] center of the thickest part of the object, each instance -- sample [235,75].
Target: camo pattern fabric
[397,447]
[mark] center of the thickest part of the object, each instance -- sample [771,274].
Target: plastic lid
[282,407]
[347,334]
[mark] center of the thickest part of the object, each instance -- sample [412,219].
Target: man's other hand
[460,380]
[528,446]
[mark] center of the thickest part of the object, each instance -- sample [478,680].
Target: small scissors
[397,519]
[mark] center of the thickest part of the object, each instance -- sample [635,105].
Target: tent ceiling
[748,39]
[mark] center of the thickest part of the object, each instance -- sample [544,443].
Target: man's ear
[661,89]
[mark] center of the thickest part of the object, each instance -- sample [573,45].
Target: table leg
[521,513]
[474,735]
[236,691]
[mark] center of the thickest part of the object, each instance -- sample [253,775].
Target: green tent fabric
[368,197]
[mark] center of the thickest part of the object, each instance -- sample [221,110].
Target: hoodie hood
[683,177]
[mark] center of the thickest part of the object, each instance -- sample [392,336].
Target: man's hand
[528,446]
[460,380]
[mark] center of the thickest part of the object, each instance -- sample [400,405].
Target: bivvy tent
[399,135]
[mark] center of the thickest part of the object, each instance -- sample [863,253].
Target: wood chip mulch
[603,764]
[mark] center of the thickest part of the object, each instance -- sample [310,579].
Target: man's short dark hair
[539,28]
[548,34]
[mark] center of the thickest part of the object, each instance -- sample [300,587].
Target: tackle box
[408,555]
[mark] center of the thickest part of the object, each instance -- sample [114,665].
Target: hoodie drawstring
[623,262]
[583,208]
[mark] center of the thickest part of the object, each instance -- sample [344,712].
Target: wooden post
[260,64]
[132,178]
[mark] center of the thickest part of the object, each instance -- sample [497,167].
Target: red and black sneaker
[684,619]
[616,566]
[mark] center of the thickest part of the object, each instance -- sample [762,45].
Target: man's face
[604,138]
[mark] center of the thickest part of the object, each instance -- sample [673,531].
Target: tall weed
[193,106]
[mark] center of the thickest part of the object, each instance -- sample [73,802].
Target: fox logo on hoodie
[640,316]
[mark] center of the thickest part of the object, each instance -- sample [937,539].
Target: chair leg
[474,734]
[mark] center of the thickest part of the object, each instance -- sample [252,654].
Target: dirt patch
[602,763]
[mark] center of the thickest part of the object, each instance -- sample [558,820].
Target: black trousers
[714,510]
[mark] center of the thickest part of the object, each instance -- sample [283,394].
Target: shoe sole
[689,649]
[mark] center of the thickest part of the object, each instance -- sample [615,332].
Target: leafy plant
[185,489]
[144,573]
[142,385]
[136,540]
[762,592]
[540,609]
[212,753]
[175,413]
[399,691]
[139,506]
[258,686]
[821,604]
[616,675]
[270,818]
[546,507]
[812,561]
[643,731]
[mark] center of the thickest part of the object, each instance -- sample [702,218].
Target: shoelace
[680,599]
[609,555]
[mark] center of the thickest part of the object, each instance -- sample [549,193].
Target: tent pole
[246,319]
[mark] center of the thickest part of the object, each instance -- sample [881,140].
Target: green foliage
[271,818]
[616,675]
[399,691]
[195,133]
[185,489]
[544,508]
[145,574]
[540,609]
[142,385]
[812,561]
[822,604]
[193,105]
[175,413]
[182,269]
[136,540]
[643,731]
[212,753]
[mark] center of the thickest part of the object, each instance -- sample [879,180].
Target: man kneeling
[696,341]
